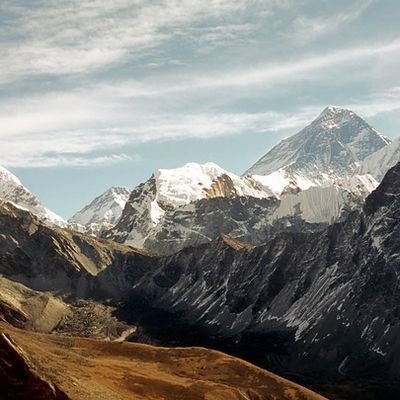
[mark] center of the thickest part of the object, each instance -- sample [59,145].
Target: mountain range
[103,212]
[319,306]
[292,266]
[307,181]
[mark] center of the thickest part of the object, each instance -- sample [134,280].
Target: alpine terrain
[378,163]
[303,184]
[103,212]
[321,307]
[49,285]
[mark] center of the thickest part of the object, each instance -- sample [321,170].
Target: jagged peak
[335,141]
[116,190]
[105,208]
[336,110]
[190,168]
[194,181]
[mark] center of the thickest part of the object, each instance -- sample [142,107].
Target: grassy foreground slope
[41,366]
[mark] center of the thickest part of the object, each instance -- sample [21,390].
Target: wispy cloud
[67,37]
[58,160]
[383,102]
[307,28]
[81,147]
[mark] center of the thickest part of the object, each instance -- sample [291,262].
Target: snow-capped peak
[190,204]
[331,109]
[195,181]
[330,148]
[12,190]
[104,209]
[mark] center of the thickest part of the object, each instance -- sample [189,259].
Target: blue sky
[100,93]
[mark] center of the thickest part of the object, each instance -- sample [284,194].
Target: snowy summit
[329,149]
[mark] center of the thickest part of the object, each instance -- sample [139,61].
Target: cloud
[209,38]
[378,103]
[312,67]
[293,70]
[69,127]
[81,147]
[69,37]
[80,115]
[58,160]
[307,28]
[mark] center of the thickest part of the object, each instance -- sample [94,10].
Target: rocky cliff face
[195,204]
[303,303]
[189,206]
[20,378]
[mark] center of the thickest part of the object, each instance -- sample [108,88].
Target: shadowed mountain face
[321,306]
[378,163]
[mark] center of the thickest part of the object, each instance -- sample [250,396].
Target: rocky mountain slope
[318,306]
[189,206]
[103,212]
[49,284]
[328,149]
[11,189]
[323,304]
[53,259]
[194,204]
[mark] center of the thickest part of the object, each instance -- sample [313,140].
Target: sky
[97,93]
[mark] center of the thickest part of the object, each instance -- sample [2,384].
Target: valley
[301,281]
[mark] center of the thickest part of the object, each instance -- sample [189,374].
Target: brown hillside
[31,364]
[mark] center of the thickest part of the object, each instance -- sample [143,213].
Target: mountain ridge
[195,203]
